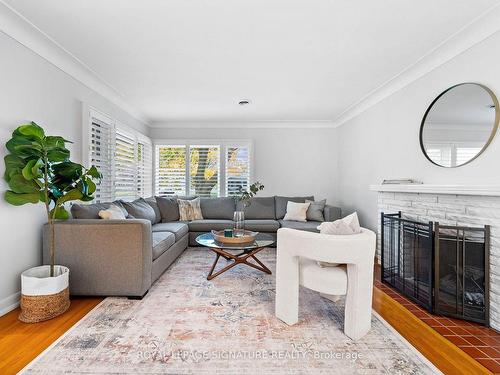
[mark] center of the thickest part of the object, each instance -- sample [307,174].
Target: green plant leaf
[93,172]
[91,186]
[31,130]
[13,165]
[53,142]
[17,199]
[31,169]
[68,169]
[20,185]
[72,195]
[60,213]
[58,154]
[16,143]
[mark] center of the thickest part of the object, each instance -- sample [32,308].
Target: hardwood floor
[20,343]
[441,352]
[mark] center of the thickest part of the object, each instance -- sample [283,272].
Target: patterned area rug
[187,325]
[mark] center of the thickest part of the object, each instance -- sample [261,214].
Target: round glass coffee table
[243,252]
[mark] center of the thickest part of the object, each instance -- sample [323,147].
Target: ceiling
[193,60]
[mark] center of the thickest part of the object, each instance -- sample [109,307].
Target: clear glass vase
[239,223]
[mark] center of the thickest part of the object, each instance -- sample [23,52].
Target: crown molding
[20,29]
[479,29]
[270,124]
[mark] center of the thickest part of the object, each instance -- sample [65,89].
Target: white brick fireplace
[451,205]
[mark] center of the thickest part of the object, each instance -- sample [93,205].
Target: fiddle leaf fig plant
[38,169]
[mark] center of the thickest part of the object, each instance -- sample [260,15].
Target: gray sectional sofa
[125,257]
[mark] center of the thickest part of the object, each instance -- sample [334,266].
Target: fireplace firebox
[443,268]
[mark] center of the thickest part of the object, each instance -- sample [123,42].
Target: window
[237,169]
[122,155]
[144,167]
[125,166]
[452,154]
[205,169]
[170,170]
[101,151]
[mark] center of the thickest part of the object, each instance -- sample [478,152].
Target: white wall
[383,142]
[31,89]
[288,161]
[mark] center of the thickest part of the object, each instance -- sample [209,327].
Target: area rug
[188,325]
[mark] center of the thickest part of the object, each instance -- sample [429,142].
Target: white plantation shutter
[125,165]
[101,156]
[464,154]
[170,176]
[237,169]
[204,170]
[144,167]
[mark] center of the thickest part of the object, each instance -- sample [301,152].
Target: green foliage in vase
[38,169]
[245,196]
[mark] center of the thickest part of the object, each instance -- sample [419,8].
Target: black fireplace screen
[407,257]
[444,269]
[462,277]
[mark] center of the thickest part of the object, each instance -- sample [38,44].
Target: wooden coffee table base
[240,258]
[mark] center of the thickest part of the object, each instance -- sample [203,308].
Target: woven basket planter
[44,297]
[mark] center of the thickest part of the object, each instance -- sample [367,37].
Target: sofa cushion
[309,226]
[259,208]
[140,209]
[154,205]
[262,225]
[206,225]
[218,208]
[169,208]
[162,242]
[315,210]
[179,229]
[281,203]
[91,211]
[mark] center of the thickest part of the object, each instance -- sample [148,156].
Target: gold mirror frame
[492,134]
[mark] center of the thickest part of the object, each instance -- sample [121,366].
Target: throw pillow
[154,205]
[189,209]
[169,209]
[91,211]
[112,213]
[347,225]
[296,211]
[140,209]
[315,210]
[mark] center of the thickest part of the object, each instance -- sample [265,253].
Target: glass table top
[262,240]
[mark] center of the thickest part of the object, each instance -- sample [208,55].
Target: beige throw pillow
[112,213]
[346,226]
[189,209]
[296,211]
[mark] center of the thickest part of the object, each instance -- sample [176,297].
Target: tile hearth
[479,342]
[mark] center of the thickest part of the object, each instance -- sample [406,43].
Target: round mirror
[459,124]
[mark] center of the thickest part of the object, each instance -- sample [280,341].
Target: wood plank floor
[20,343]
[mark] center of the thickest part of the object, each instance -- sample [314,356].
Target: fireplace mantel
[482,190]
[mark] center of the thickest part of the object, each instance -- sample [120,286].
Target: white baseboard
[9,303]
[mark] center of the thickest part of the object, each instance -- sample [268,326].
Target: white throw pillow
[112,213]
[296,211]
[347,225]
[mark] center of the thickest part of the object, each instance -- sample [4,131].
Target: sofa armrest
[105,257]
[332,213]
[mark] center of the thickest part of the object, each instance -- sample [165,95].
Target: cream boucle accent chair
[297,255]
